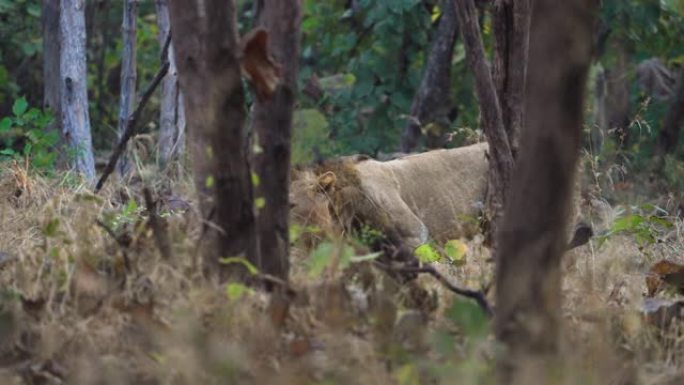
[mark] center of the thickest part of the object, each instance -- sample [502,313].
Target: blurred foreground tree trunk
[511,26]
[207,56]
[532,234]
[171,114]
[73,86]
[500,155]
[272,124]
[129,76]
[674,118]
[432,102]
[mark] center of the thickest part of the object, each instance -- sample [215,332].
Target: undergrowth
[86,298]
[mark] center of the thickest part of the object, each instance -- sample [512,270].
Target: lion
[432,196]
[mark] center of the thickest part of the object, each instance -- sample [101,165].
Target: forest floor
[86,298]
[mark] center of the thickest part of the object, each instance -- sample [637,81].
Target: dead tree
[532,234]
[674,118]
[501,157]
[208,57]
[73,86]
[272,124]
[511,26]
[129,76]
[432,102]
[171,114]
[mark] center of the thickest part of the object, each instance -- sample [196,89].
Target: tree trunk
[272,122]
[669,134]
[511,25]
[432,102]
[501,158]
[73,85]
[129,76]
[613,114]
[171,114]
[51,61]
[206,51]
[532,236]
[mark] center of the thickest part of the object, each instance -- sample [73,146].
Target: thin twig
[133,119]
[476,295]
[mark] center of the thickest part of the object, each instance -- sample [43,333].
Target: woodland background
[108,287]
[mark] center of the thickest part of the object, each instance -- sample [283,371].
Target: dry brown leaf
[665,273]
[258,66]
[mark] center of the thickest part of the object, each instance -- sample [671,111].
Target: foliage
[25,135]
[646,224]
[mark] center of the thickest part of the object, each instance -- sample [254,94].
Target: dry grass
[71,313]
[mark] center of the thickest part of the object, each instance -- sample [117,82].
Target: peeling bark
[73,86]
[171,114]
[129,76]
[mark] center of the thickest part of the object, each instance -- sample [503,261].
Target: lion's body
[434,195]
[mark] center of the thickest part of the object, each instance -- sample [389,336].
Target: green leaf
[408,375]
[235,291]
[250,267]
[320,258]
[260,203]
[210,181]
[19,107]
[50,230]
[456,251]
[629,222]
[469,317]
[7,152]
[130,208]
[256,181]
[33,10]
[427,254]
[5,124]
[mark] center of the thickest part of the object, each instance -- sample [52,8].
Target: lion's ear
[327,180]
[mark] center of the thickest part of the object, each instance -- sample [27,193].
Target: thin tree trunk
[432,102]
[171,114]
[511,25]
[129,76]
[73,84]
[51,61]
[272,122]
[207,56]
[532,237]
[613,114]
[501,158]
[674,118]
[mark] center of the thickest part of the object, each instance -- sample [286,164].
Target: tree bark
[532,236]
[206,52]
[171,114]
[129,76]
[51,61]
[669,134]
[272,123]
[501,158]
[73,86]
[432,102]
[511,25]
[613,113]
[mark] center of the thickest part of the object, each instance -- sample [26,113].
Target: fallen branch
[476,295]
[133,119]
